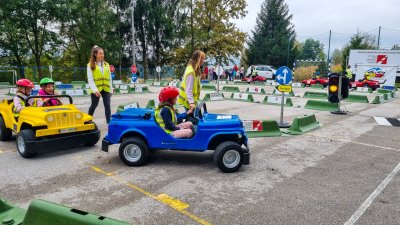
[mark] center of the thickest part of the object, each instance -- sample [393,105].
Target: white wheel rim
[231,159]
[132,153]
[21,144]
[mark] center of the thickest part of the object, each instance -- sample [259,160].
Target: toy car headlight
[50,118]
[78,116]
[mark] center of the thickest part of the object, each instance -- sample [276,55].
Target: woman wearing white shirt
[100,81]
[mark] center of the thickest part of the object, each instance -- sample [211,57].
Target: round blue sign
[134,78]
[283,75]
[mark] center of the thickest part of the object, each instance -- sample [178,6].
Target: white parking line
[372,197]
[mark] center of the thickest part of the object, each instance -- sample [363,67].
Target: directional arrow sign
[283,75]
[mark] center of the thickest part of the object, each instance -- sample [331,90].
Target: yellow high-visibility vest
[160,120]
[349,73]
[102,80]
[183,100]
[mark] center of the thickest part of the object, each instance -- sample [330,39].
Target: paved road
[322,177]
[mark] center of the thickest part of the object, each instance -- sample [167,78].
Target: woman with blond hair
[189,91]
[100,81]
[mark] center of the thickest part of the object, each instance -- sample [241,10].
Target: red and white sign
[134,69]
[112,68]
[382,59]
[253,125]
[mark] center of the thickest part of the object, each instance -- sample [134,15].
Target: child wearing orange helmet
[25,87]
[168,118]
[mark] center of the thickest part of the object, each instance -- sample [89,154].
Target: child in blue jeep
[167,116]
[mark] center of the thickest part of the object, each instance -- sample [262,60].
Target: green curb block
[276,100]
[160,83]
[269,128]
[133,90]
[131,105]
[378,99]
[240,82]
[397,85]
[317,86]
[10,212]
[364,89]
[385,97]
[357,98]
[208,87]
[255,90]
[242,97]
[230,89]
[259,83]
[383,91]
[41,212]
[75,92]
[303,124]
[319,95]
[321,105]
[117,91]
[276,92]
[214,97]
[152,104]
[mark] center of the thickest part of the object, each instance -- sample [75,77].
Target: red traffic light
[133,69]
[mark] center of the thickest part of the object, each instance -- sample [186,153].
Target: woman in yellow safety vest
[189,91]
[100,81]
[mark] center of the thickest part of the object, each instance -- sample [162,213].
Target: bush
[336,68]
[303,73]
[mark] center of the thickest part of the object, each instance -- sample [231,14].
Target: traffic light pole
[338,111]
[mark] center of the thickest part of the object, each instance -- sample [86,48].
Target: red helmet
[25,83]
[168,93]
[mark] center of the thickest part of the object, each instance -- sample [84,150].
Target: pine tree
[272,36]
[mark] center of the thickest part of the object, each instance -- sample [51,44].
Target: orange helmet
[168,93]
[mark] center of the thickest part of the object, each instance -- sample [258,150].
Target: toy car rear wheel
[22,138]
[94,141]
[133,151]
[229,156]
[5,133]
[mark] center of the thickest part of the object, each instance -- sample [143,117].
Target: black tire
[133,151]
[22,137]
[5,133]
[93,142]
[365,85]
[226,152]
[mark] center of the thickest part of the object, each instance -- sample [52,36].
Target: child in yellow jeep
[24,91]
[47,86]
[168,118]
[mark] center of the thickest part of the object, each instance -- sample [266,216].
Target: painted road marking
[162,198]
[372,197]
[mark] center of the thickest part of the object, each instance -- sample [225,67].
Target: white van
[263,71]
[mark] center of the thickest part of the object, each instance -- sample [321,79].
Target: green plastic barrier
[276,100]
[259,83]
[276,92]
[134,90]
[242,97]
[129,105]
[397,85]
[267,128]
[319,95]
[383,91]
[378,99]
[230,89]
[10,214]
[208,88]
[75,92]
[78,82]
[321,105]
[317,86]
[240,82]
[255,90]
[12,91]
[357,98]
[45,213]
[160,83]
[385,97]
[214,97]
[5,83]
[152,104]
[303,124]
[117,91]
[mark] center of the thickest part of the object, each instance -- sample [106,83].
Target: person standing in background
[100,81]
[235,69]
[241,72]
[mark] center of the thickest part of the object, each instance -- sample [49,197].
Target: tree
[273,35]
[312,49]
[358,41]
[337,57]
[396,47]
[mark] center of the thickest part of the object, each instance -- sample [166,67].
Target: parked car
[321,80]
[138,134]
[373,84]
[264,71]
[44,129]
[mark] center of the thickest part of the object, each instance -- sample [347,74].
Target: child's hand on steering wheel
[191,109]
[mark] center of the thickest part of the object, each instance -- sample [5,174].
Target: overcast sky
[314,18]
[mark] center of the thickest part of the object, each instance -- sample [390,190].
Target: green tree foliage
[312,49]
[337,57]
[358,41]
[273,35]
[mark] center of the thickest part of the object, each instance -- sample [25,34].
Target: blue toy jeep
[138,133]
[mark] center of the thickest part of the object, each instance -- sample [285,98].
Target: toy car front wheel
[229,156]
[22,138]
[133,151]
[5,133]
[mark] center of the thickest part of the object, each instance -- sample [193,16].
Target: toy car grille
[64,120]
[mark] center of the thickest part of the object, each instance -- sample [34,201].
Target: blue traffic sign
[283,75]
[134,78]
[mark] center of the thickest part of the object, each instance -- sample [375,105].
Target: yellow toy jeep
[44,129]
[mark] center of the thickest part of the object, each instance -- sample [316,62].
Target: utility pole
[379,37]
[133,34]
[329,50]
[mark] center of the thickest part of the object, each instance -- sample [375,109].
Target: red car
[309,82]
[256,79]
[373,84]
